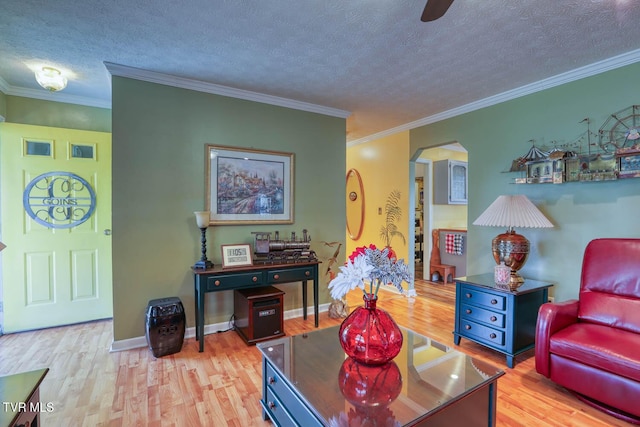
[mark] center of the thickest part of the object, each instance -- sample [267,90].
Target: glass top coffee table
[309,381]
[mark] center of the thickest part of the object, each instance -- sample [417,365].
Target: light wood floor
[89,386]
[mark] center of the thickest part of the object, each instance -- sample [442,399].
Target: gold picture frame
[249,186]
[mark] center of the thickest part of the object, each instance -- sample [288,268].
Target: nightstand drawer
[234,281]
[290,275]
[471,295]
[489,317]
[493,337]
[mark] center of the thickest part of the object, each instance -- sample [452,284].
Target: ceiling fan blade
[434,9]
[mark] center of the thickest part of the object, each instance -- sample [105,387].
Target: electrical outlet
[551,299]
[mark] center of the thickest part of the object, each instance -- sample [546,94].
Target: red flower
[392,253]
[360,250]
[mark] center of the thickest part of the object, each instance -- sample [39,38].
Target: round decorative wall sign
[59,200]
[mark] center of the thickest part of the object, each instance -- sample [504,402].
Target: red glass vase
[369,335]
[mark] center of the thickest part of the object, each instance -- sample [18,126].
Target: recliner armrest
[552,317]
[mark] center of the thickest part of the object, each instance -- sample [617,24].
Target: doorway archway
[425,215]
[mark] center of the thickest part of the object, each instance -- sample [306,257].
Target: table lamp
[202,219]
[510,247]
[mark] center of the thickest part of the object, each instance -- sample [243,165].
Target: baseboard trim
[139,342]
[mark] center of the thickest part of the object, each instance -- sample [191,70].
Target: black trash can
[165,326]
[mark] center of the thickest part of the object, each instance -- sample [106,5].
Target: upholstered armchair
[591,345]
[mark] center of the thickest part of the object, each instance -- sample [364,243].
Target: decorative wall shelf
[625,163]
[615,155]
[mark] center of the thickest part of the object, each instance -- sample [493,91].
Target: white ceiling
[371,60]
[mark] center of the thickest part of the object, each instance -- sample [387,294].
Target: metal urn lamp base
[512,249]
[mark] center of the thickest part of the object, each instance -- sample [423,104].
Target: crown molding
[4,86]
[200,86]
[557,80]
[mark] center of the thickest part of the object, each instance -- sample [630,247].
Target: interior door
[56,220]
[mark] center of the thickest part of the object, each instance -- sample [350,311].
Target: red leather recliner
[591,345]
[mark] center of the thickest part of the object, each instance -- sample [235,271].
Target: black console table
[253,276]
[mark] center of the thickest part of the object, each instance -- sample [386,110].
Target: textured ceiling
[372,58]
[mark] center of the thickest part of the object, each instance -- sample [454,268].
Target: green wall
[3,106]
[496,135]
[31,111]
[159,137]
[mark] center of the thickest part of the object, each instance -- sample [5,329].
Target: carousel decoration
[613,153]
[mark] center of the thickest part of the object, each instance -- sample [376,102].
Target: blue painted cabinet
[498,318]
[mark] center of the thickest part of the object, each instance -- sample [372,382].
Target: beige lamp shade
[513,211]
[202,218]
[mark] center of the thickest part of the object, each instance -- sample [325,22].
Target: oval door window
[355,204]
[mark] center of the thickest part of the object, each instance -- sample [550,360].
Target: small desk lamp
[510,247]
[202,219]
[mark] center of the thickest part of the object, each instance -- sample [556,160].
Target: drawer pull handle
[492,335]
[468,295]
[467,327]
[272,380]
[255,279]
[217,283]
[275,276]
[272,405]
[494,318]
[307,273]
[494,301]
[468,311]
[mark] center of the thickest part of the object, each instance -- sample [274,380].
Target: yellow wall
[383,165]
[447,216]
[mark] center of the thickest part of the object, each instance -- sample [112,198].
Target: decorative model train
[274,251]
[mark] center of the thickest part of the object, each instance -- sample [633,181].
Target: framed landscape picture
[248,186]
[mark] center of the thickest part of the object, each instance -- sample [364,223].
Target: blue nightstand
[498,318]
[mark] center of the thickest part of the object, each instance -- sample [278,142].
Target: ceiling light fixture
[51,79]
